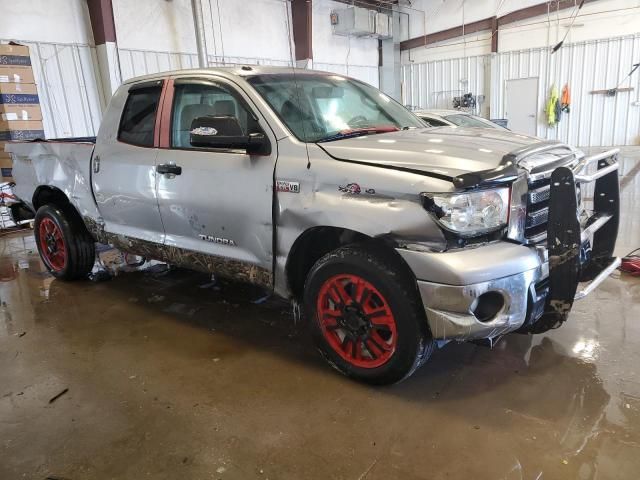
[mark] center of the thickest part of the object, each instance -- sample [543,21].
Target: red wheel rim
[356,321]
[52,244]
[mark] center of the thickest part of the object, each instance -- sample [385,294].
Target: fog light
[487,306]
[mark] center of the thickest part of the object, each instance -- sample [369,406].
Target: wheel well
[316,242]
[48,195]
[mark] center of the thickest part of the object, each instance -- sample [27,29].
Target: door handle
[169,168]
[96,164]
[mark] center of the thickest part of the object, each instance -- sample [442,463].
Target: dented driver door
[215,202]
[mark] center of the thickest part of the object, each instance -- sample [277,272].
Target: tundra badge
[220,240]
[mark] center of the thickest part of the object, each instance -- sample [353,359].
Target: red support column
[104,36]
[302,30]
[494,34]
[102,23]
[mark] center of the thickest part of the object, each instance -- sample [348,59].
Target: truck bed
[63,164]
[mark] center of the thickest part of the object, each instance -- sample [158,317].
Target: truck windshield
[471,121]
[322,108]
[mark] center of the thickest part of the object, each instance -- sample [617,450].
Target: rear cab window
[137,124]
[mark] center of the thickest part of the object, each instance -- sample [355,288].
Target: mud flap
[563,241]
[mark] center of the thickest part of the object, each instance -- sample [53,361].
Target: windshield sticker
[287,186]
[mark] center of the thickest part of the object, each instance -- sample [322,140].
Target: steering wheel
[358,121]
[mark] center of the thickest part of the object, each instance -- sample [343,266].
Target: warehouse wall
[598,53]
[356,57]
[434,84]
[599,19]
[234,33]
[53,21]
[267,43]
[595,119]
[158,35]
[63,61]
[232,28]
[429,16]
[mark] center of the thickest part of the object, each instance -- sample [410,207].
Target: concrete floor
[171,378]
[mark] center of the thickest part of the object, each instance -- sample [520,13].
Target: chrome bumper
[450,314]
[503,267]
[450,308]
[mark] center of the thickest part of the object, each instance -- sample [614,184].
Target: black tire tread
[83,244]
[80,243]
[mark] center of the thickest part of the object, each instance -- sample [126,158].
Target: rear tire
[366,315]
[65,246]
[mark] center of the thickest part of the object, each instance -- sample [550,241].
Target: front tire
[366,315]
[65,246]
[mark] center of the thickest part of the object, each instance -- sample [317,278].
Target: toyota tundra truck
[395,238]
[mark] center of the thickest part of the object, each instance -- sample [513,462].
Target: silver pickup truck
[395,238]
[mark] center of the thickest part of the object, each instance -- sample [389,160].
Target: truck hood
[441,151]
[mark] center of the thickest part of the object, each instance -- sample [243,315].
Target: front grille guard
[566,237]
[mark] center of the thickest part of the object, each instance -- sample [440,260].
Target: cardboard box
[11,74]
[7,50]
[20,130]
[18,89]
[20,125]
[15,64]
[15,97]
[6,167]
[20,112]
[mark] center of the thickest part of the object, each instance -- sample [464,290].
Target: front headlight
[470,213]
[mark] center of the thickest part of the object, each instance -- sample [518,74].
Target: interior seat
[225,107]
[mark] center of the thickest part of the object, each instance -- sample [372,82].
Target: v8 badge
[287,186]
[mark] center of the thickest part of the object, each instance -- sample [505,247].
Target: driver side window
[194,100]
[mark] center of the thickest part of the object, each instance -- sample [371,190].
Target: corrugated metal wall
[595,119]
[366,73]
[67,87]
[141,62]
[434,84]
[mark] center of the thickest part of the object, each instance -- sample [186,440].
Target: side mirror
[224,131]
